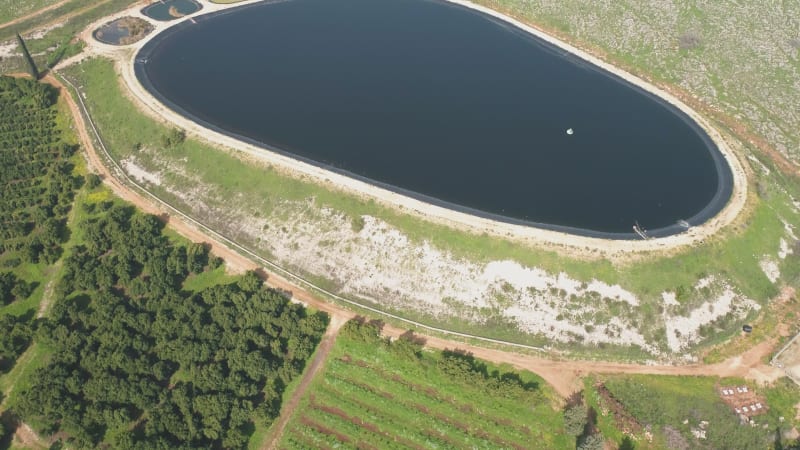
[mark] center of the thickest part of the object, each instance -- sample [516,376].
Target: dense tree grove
[12,288]
[37,192]
[15,337]
[141,363]
[35,175]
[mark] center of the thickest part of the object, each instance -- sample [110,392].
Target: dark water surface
[442,102]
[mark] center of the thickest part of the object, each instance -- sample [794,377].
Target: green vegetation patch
[688,412]
[12,9]
[140,362]
[15,337]
[35,173]
[374,393]
[38,181]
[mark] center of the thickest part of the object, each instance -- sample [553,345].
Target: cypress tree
[31,65]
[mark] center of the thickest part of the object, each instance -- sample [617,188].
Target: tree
[173,137]
[7,283]
[93,180]
[592,442]
[13,288]
[575,419]
[32,70]
[120,341]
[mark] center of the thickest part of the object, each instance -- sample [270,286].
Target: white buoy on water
[570,131]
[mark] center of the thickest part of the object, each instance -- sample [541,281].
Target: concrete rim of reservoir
[728,202]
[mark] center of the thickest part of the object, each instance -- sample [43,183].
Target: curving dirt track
[33,14]
[563,375]
[287,411]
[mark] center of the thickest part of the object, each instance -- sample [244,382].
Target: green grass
[32,273]
[12,9]
[605,422]
[198,282]
[404,401]
[668,401]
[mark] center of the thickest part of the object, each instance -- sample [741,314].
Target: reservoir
[445,104]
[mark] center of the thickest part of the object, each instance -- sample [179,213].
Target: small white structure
[570,131]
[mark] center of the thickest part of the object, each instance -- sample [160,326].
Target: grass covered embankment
[273,214]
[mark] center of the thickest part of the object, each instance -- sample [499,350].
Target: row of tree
[35,175]
[140,362]
[459,366]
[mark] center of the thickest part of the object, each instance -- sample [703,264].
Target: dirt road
[287,411]
[33,14]
[563,375]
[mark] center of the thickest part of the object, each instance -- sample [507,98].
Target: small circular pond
[123,31]
[445,104]
[165,10]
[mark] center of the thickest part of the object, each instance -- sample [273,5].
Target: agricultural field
[40,176]
[156,365]
[13,9]
[36,175]
[53,35]
[377,394]
[225,352]
[38,181]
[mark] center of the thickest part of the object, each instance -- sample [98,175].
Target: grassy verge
[10,10]
[198,282]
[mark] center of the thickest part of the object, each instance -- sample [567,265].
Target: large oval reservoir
[445,104]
